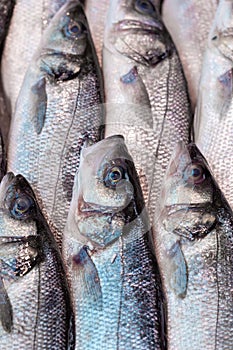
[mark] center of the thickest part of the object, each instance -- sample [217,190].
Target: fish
[60,107]
[146,93]
[35,309]
[213,126]
[96,15]
[24,35]
[107,250]
[194,248]
[189,23]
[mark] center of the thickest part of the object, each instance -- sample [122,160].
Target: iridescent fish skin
[35,308]
[189,23]
[213,124]
[144,77]
[29,19]
[194,248]
[113,273]
[59,108]
[96,12]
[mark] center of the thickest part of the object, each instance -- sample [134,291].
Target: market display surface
[115,175]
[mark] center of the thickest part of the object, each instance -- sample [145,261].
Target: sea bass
[30,18]
[59,108]
[35,307]
[194,247]
[114,276]
[189,23]
[214,114]
[146,95]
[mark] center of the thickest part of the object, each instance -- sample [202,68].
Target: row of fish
[118,294]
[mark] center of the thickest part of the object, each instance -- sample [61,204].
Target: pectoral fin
[177,271]
[39,104]
[87,272]
[6,313]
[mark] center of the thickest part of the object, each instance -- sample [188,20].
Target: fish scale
[49,143]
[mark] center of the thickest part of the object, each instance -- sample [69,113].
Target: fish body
[146,96]
[23,38]
[96,16]
[213,124]
[35,309]
[194,249]
[113,273]
[59,108]
[189,23]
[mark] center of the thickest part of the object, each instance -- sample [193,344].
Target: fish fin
[89,277]
[39,104]
[225,81]
[6,313]
[178,273]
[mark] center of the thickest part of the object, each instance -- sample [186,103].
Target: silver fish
[30,18]
[59,108]
[146,95]
[189,23]
[194,247]
[35,307]
[113,274]
[214,114]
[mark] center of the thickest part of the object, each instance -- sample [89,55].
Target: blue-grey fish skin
[36,311]
[59,108]
[194,246]
[114,277]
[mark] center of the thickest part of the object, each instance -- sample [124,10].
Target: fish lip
[51,52]
[129,24]
[174,208]
[88,210]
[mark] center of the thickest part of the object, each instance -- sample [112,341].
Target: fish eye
[22,207]
[113,176]
[74,29]
[195,174]
[144,6]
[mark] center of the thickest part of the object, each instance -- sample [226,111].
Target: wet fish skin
[59,108]
[189,23]
[138,44]
[215,108]
[23,38]
[113,273]
[38,312]
[194,241]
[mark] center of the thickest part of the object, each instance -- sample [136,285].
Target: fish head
[188,200]
[106,189]
[17,207]
[134,29]
[68,33]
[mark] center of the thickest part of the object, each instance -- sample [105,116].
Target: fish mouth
[175,208]
[90,209]
[127,25]
[60,54]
